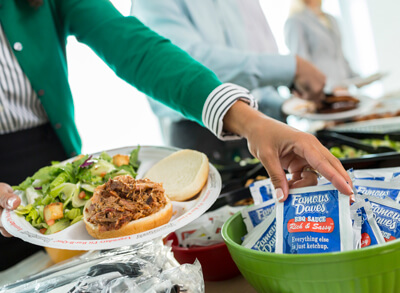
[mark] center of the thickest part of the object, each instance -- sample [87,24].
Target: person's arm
[296,39]
[140,56]
[280,147]
[245,68]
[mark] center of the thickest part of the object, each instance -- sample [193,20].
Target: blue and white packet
[378,189]
[380,174]
[371,234]
[254,215]
[356,223]
[387,216]
[263,237]
[314,220]
[261,191]
[395,176]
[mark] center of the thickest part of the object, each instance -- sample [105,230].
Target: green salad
[56,194]
[347,152]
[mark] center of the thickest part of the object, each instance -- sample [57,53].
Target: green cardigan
[136,54]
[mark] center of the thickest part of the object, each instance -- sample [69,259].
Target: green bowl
[374,269]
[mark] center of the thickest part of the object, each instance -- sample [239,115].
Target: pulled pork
[124,199]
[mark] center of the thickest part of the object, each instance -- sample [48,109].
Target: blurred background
[369,29]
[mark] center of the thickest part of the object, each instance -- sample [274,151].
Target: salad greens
[55,195]
[346,152]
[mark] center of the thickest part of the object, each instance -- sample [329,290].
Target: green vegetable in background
[346,152]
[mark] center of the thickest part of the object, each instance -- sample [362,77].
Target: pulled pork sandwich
[125,206]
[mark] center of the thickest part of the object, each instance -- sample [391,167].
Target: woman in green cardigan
[36,107]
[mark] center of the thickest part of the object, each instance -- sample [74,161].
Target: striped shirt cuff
[217,105]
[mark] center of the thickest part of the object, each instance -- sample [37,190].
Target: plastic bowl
[374,269]
[216,261]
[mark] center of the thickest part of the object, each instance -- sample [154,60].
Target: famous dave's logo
[385,217]
[310,204]
[379,193]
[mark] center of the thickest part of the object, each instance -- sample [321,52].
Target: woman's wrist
[241,119]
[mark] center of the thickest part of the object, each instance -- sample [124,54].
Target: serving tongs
[353,142]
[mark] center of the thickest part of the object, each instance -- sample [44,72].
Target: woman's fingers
[306,178]
[273,166]
[319,158]
[8,200]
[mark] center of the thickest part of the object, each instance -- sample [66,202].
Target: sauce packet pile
[314,220]
[206,229]
[319,219]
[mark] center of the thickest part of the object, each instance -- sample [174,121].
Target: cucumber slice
[88,187]
[76,201]
[57,226]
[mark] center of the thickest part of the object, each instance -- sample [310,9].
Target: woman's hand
[309,82]
[280,147]
[8,200]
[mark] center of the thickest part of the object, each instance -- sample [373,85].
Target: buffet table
[234,285]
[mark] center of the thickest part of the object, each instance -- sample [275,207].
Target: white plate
[76,237]
[302,108]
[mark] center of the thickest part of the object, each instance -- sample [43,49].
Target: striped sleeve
[217,105]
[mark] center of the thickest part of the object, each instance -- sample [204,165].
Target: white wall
[385,20]
[109,112]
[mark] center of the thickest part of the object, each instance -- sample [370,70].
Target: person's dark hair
[35,3]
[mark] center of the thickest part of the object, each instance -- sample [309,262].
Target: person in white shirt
[315,36]
[233,38]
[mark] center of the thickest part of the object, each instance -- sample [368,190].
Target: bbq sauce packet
[261,191]
[314,220]
[356,222]
[395,176]
[263,236]
[371,234]
[378,189]
[387,215]
[254,215]
[380,174]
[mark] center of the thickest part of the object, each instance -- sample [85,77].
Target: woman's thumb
[278,179]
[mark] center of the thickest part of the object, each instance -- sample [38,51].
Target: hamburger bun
[134,226]
[183,174]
